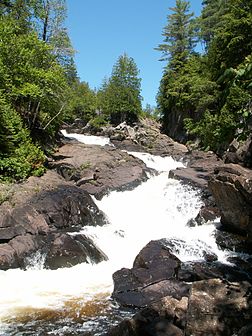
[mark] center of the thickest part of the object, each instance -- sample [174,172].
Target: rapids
[75,301]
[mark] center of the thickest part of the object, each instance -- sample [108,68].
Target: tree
[33,81]
[120,96]
[82,102]
[177,48]
[178,36]
[211,19]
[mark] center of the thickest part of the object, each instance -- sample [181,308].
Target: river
[76,300]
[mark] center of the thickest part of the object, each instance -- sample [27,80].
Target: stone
[245,331]
[152,277]
[231,186]
[218,308]
[68,207]
[99,169]
[67,251]
[199,167]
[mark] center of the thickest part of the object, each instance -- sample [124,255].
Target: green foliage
[178,35]
[211,93]
[120,97]
[35,78]
[19,157]
[33,81]
[82,102]
[98,122]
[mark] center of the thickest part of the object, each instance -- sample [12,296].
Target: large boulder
[98,169]
[152,277]
[65,250]
[68,207]
[38,223]
[240,153]
[231,187]
[218,308]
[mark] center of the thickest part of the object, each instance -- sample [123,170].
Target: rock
[145,136]
[233,242]
[240,153]
[231,187]
[200,165]
[7,257]
[12,255]
[244,152]
[152,277]
[245,331]
[30,226]
[21,220]
[67,251]
[68,207]
[207,214]
[157,319]
[196,271]
[99,169]
[218,308]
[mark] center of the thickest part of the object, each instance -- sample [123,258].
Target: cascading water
[75,301]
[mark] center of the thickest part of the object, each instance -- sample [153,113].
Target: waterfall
[77,298]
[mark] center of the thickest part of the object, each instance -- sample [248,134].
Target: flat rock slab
[98,169]
[200,166]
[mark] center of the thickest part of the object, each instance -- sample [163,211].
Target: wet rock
[158,319]
[12,255]
[28,227]
[68,207]
[196,271]
[218,308]
[200,165]
[205,215]
[155,262]
[7,257]
[231,187]
[66,251]
[152,277]
[233,242]
[99,169]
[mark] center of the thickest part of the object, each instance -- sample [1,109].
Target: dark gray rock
[99,169]
[68,207]
[231,187]
[152,277]
[66,251]
[218,308]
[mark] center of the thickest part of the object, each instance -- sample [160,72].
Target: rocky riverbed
[171,297]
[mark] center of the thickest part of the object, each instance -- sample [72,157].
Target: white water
[158,208]
[88,139]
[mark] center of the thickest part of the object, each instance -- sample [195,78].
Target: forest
[204,94]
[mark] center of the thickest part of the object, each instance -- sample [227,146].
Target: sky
[102,30]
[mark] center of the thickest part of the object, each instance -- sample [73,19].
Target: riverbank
[42,212]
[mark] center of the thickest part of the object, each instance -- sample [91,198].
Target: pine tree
[178,35]
[178,46]
[121,94]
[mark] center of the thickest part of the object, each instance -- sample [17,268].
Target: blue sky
[101,31]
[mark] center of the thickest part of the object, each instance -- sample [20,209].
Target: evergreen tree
[178,36]
[121,96]
[178,46]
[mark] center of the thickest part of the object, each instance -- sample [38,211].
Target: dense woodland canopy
[207,95]
[203,95]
